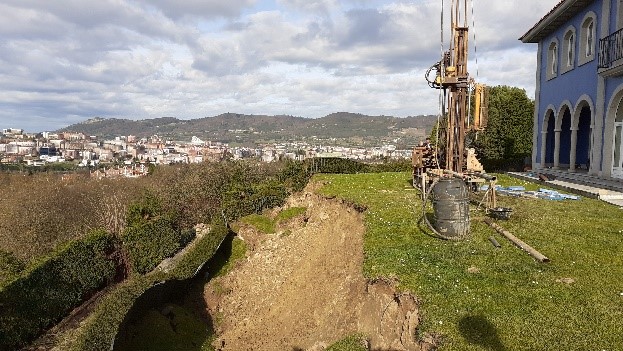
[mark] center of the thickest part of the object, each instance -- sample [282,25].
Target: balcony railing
[611,49]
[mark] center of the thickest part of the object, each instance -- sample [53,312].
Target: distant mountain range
[341,127]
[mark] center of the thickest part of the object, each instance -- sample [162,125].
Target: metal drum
[451,208]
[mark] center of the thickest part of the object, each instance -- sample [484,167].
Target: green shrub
[49,289]
[101,327]
[200,253]
[148,207]
[186,236]
[150,234]
[392,166]
[514,164]
[245,199]
[148,243]
[336,165]
[10,267]
[294,175]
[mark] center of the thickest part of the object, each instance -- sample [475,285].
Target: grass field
[507,300]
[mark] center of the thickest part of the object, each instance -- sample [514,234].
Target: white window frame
[568,48]
[552,60]
[588,39]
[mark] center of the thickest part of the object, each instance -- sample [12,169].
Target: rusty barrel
[451,208]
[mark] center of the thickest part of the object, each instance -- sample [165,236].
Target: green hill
[258,129]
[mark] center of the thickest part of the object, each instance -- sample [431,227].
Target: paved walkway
[608,190]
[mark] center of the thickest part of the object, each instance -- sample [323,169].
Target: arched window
[568,45]
[552,60]
[586,52]
[590,38]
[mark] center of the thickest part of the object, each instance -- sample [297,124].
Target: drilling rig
[450,158]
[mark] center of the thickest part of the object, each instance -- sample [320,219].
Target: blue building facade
[578,118]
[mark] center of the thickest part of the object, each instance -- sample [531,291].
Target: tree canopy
[507,139]
[509,129]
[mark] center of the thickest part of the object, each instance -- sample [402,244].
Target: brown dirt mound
[305,290]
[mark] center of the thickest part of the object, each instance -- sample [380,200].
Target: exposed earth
[302,288]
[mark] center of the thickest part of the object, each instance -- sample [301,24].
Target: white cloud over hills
[65,61]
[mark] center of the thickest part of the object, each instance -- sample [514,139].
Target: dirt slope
[304,290]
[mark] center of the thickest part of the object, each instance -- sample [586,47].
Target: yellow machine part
[450,71]
[480,107]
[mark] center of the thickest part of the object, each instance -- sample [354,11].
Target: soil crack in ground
[306,290]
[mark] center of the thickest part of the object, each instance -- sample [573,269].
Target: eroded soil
[302,288]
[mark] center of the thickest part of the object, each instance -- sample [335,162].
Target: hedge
[515,164]
[347,166]
[151,235]
[241,199]
[10,267]
[46,291]
[100,328]
[335,165]
[149,242]
[294,175]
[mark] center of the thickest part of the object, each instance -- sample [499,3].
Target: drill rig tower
[449,170]
[453,79]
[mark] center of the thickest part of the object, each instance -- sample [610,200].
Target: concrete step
[605,197]
[586,179]
[581,184]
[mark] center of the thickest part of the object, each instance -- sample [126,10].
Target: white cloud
[66,61]
[324,7]
[176,9]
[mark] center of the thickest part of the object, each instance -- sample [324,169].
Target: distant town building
[12,131]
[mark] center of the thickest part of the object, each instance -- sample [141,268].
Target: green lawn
[512,302]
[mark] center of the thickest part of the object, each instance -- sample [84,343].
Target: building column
[543,147]
[574,143]
[537,103]
[597,146]
[591,145]
[598,130]
[557,148]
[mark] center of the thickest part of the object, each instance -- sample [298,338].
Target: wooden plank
[515,240]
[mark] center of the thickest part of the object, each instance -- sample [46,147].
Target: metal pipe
[494,242]
[529,249]
[454,174]
[483,176]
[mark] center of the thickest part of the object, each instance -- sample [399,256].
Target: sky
[66,61]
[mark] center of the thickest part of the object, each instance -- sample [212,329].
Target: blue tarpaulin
[543,193]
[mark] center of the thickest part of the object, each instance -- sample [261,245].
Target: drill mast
[453,78]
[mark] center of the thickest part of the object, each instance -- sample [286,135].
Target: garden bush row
[346,166]
[150,235]
[46,291]
[100,328]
